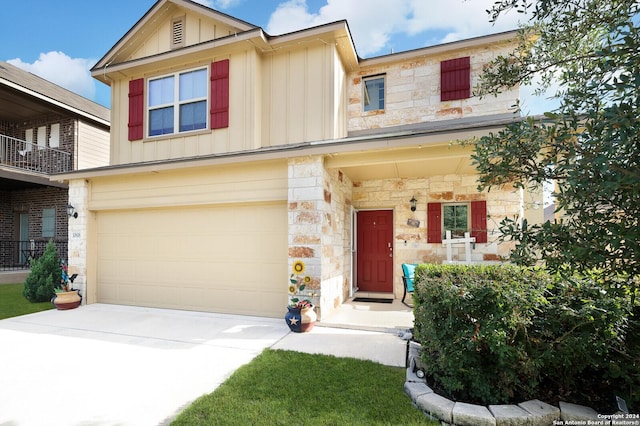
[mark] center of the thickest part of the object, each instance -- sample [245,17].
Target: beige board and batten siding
[241,135]
[275,99]
[304,93]
[93,147]
[206,239]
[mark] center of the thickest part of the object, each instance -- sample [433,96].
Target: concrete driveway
[108,364]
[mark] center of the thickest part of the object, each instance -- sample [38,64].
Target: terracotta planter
[300,320]
[67,300]
[308,318]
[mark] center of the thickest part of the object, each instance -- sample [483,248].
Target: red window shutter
[455,79]
[479,221]
[136,109]
[434,222]
[219,94]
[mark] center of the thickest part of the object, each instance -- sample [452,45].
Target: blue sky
[61,40]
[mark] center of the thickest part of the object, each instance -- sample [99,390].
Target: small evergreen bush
[44,277]
[502,334]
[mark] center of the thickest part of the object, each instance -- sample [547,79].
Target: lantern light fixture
[71,211]
[413,202]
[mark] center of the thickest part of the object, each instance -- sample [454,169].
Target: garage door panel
[219,259]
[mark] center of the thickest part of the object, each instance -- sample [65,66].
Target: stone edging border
[532,412]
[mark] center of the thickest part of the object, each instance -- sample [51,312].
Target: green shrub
[44,277]
[502,334]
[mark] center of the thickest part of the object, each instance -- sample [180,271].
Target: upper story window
[178,103]
[373,96]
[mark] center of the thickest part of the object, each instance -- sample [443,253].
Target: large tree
[589,146]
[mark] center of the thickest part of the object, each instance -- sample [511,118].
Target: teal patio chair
[408,274]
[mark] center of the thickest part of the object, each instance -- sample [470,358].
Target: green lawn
[291,388]
[13,303]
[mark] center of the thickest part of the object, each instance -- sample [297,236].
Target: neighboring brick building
[281,148]
[44,130]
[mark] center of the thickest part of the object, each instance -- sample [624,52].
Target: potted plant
[66,297]
[301,315]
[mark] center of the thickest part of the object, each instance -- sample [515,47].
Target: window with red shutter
[136,109]
[478,227]
[434,222]
[455,79]
[219,94]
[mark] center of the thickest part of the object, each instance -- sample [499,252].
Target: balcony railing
[16,255]
[28,156]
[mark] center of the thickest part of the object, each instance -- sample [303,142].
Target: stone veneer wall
[411,243]
[412,92]
[336,236]
[319,230]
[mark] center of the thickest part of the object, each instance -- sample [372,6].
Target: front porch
[394,317]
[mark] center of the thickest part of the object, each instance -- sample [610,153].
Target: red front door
[375,250]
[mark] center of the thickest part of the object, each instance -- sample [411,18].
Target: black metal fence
[17,255]
[28,156]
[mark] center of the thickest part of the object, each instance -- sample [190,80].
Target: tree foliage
[589,145]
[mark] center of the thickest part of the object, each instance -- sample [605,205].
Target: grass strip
[286,387]
[13,303]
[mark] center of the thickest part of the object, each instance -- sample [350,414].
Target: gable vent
[177,33]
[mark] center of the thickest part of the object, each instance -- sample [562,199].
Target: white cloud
[459,19]
[374,26]
[371,26]
[222,4]
[219,4]
[71,73]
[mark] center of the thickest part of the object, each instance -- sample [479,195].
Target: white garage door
[230,259]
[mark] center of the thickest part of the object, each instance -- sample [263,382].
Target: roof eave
[502,37]
[188,4]
[402,138]
[54,102]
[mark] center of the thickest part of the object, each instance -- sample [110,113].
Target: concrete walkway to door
[109,364]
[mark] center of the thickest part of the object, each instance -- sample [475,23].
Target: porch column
[305,198]
[77,228]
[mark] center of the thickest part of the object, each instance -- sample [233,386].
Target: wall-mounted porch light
[71,211]
[413,202]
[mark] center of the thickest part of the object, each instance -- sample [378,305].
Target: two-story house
[44,129]
[235,154]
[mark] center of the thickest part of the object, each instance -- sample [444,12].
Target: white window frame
[42,137]
[176,103]
[48,223]
[28,138]
[366,99]
[54,136]
[444,228]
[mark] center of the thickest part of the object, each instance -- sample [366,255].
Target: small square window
[373,96]
[455,218]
